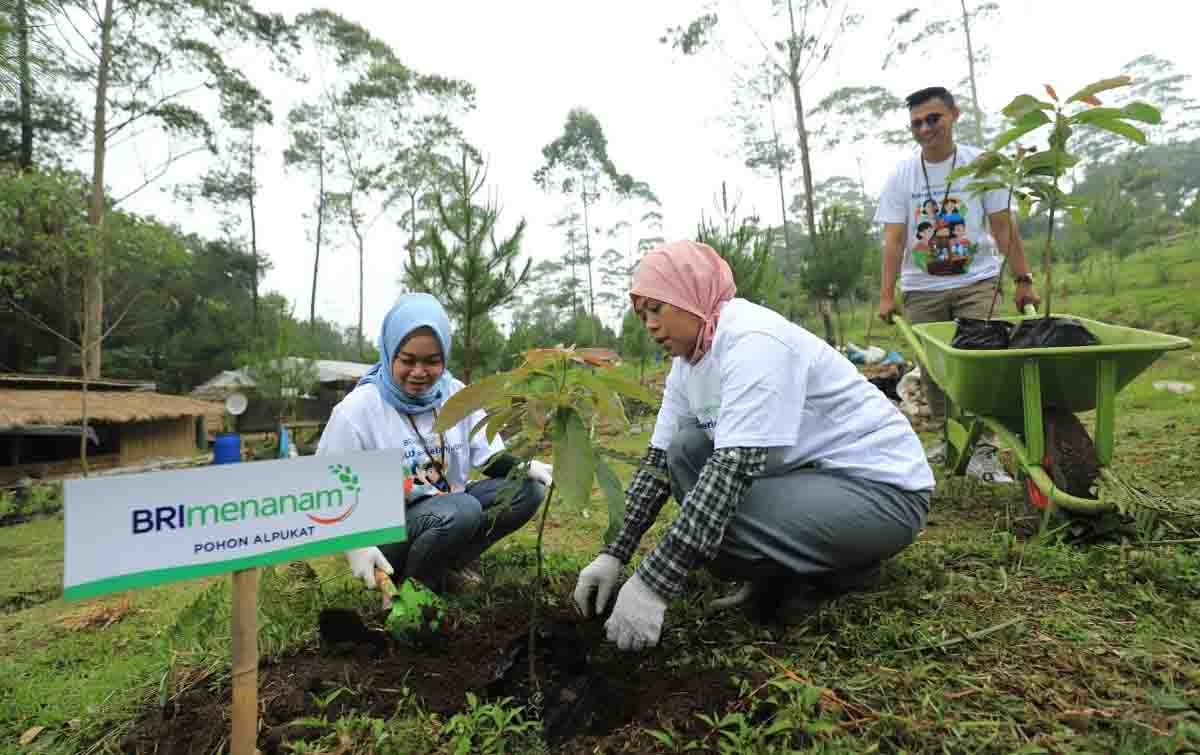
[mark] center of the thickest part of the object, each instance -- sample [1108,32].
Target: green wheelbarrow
[1029,398]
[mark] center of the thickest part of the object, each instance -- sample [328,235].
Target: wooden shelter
[41,424]
[332,380]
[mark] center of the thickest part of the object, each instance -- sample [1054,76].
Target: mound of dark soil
[595,698]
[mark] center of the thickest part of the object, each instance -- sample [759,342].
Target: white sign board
[133,531]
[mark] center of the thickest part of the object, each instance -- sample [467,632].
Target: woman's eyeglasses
[930,120]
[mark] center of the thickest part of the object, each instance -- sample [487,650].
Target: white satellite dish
[235,403]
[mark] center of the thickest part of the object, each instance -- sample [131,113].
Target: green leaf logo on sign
[346,476]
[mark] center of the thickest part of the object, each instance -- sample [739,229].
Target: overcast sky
[533,60]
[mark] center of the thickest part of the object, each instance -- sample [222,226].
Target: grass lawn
[976,641]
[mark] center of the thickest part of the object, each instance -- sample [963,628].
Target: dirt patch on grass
[596,699]
[27,599]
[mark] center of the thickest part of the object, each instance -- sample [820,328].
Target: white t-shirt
[769,383]
[363,421]
[948,243]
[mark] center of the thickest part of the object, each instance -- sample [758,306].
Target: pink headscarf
[691,276]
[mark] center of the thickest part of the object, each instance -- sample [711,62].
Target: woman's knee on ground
[455,518]
[527,501]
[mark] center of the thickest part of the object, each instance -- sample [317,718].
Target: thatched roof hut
[29,408]
[40,429]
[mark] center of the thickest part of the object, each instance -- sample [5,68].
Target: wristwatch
[1023,278]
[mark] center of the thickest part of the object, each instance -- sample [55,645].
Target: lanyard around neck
[928,189]
[439,461]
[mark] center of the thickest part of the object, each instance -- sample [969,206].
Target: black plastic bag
[981,334]
[1047,332]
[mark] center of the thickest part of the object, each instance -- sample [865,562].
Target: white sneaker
[985,465]
[936,453]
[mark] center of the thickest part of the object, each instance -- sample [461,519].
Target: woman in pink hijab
[794,475]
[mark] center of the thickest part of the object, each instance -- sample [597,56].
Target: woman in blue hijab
[450,521]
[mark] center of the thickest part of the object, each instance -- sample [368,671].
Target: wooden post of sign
[245,663]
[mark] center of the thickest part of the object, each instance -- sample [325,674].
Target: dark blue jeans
[448,531]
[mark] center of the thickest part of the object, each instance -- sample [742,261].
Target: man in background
[932,288]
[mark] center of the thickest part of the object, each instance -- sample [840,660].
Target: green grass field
[976,642]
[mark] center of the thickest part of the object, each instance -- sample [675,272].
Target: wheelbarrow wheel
[1069,459]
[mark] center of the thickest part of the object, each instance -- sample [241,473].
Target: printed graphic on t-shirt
[706,417]
[425,477]
[942,245]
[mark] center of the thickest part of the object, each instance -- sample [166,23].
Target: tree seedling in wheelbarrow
[1033,176]
[559,396]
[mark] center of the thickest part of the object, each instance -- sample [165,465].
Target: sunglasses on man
[930,120]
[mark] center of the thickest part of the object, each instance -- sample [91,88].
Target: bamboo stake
[245,663]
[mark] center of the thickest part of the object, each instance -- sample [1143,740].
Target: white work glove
[637,618]
[540,471]
[601,576]
[363,562]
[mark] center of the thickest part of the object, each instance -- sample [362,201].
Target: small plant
[488,729]
[772,717]
[324,701]
[1034,176]
[9,508]
[554,397]
[45,499]
[33,501]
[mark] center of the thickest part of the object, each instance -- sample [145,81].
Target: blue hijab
[410,312]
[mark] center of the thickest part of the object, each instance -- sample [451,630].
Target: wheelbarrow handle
[913,339]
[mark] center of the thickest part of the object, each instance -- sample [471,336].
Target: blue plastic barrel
[227,448]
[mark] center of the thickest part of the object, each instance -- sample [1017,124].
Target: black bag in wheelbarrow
[981,334]
[1048,332]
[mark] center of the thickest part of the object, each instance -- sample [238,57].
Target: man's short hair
[921,96]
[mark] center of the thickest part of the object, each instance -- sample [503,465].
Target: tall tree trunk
[862,185]
[253,236]
[810,212]
[468,333]
[795,48]
[412,234]
[358,237]
[93,284]
[574,253]
[83,420]
[25,160]
[971,70]
[787,234]
[587,260]
[62,357]
[793,77]
[312,305]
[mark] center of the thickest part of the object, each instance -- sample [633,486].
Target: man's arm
[1008,239]
[893,256]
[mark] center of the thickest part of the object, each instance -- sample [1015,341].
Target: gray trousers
[817,527]
[449,531]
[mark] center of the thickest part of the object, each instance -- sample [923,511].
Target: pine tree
[475,274]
